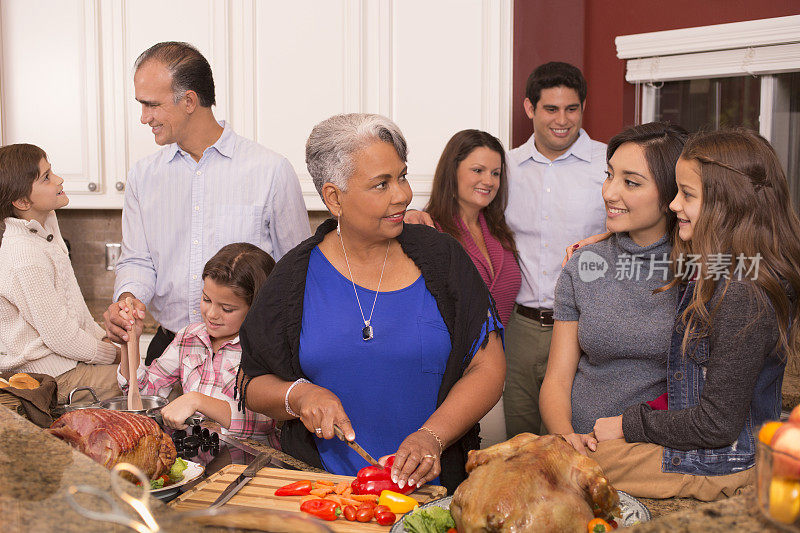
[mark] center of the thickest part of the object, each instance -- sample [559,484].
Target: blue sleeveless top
[388,385]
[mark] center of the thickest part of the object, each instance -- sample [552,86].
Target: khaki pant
[635,467]
[102,378]
[527,347]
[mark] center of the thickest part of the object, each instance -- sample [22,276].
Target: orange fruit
[784,500]
[767,431]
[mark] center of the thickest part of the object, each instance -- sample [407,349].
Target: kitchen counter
[35,471]
[739,513]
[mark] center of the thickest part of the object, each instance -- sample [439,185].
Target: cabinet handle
[120,186]
[92,186]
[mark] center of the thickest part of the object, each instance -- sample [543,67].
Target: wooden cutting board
[260,494]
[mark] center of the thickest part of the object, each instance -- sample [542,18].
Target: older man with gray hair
[206,188]
[383,329]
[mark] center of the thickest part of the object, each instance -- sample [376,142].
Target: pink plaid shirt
[191,359]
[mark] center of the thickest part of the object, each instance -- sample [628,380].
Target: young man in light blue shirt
[555,180]
[206,188]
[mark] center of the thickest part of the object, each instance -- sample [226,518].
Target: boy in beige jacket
[44,322]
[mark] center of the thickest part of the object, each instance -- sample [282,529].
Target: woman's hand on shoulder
[417,460]
[581,441]
[319,410]
[608,428]
[418,217]
[584,242]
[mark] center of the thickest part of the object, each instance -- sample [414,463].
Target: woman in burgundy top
[468,200]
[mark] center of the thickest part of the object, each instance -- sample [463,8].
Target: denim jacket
[685,379]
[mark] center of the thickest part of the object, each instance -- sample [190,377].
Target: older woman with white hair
[382,328]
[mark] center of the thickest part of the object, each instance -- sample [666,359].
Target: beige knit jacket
[45,326]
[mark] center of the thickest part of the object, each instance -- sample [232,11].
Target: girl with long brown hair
[468,201]
[205,356]
[737,268]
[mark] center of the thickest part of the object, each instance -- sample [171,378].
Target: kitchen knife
[249,473]
[358,449]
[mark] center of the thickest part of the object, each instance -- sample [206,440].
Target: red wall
[582,32]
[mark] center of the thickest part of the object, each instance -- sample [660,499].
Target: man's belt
[543,316]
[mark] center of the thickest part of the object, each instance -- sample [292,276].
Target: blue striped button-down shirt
[552,204]
[179,212]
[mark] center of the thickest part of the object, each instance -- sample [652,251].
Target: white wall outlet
[113,249]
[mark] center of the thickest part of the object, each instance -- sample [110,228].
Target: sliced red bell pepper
[324,509]
[298,488]
[376,479]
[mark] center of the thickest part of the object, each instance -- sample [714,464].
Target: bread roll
[23,381]
[4,383]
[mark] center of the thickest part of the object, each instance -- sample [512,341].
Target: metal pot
[62,408]
[151,405]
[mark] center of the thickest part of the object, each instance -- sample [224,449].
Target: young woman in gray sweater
[735,330]
[611,334]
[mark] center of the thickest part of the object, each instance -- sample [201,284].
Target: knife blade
[244,478]
[353,444]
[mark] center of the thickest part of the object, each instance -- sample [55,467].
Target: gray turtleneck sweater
[624,329]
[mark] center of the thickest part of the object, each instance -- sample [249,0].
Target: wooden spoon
[134,397]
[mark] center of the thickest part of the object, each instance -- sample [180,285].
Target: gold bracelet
[435,436]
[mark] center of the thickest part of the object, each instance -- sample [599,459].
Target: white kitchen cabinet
[434,66]
[50,83]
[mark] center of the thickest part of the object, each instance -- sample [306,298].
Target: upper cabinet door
[280,67]
[433,67]
[50,86]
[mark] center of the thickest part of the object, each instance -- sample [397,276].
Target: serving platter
[192,472]
[633,511]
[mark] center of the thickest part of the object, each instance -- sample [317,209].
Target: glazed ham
[531,483]
[111,437]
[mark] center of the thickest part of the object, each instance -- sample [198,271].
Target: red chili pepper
[298,488]
[376,479]
[324,509]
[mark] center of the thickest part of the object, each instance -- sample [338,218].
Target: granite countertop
[35,471]
[739,513]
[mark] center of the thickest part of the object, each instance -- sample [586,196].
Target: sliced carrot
[335,498]
[325,482]
[365,497]
[310,497]
[348,501]
[322,491]
[347,492]
[340,488]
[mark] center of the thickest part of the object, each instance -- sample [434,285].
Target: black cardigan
[270,334]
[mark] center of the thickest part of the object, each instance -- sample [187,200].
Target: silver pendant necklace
[367,333]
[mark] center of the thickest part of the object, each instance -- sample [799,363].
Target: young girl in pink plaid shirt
[205,356]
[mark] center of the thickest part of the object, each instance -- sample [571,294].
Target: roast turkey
[111,437]
[531,483]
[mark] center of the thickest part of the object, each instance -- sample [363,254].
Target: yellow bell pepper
[396,502]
